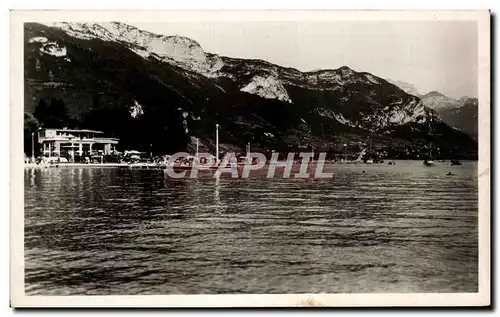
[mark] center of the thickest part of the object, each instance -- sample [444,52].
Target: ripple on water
[405,228]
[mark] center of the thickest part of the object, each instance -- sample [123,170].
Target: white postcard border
[19,299]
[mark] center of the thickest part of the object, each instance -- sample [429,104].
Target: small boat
[428,162]
[455,162]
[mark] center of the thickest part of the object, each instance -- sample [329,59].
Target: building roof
[76,130]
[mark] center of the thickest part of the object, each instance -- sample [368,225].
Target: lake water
[402,228]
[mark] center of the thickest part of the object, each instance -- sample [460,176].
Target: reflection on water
[403,228]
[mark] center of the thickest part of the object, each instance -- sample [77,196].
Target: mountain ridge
[459,113]
[406,87]
[187,92]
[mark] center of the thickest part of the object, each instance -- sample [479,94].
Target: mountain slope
[463,117]
[461,114]
[437,101]
[406,87]
[157,92]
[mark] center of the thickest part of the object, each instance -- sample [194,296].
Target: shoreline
[162,166]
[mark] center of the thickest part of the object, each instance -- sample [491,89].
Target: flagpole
[197,147]
[248,152]
[32,147]
[217,143]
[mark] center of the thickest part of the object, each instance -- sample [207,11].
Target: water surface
[402,228]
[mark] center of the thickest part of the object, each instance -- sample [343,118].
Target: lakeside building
[82,143]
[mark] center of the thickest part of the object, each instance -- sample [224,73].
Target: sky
[432,55]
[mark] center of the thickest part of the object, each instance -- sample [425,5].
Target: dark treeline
[47,115]
[159,130]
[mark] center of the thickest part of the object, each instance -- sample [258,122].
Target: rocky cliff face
[177,49]
[406,87]
[461,114]
[436,100]
[115,77]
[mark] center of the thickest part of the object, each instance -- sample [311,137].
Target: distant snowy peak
[181,50]
[437,101]
[434,94]
[267,87]
[468,101]
[406,87]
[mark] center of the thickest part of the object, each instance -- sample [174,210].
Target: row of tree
[53,115]
[159,130]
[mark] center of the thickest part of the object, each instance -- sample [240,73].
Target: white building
[75,142]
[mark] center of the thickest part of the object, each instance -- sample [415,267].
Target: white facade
[58,142]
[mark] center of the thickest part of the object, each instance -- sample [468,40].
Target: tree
[31,125]
[59,114]
[53,116]
[41,112]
